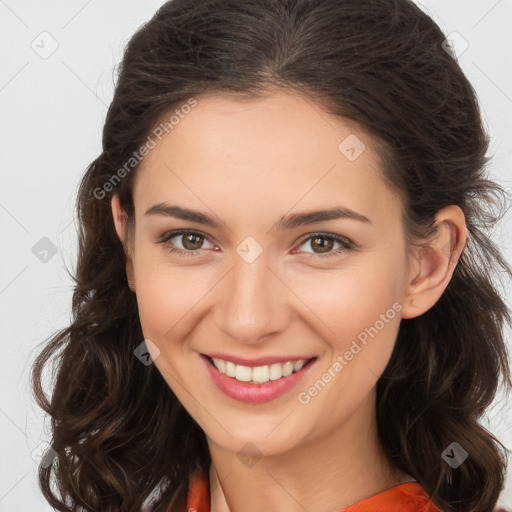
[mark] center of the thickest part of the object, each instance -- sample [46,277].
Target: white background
[51,117]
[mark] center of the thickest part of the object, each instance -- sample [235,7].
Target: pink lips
[255,393]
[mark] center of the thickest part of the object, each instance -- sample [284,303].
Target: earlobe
[435,263]
[130,276]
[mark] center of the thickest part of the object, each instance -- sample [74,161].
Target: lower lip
[255,393]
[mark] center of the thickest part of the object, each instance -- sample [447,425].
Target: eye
[188,242]
[325,243]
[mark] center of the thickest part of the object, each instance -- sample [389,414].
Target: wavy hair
[122,438]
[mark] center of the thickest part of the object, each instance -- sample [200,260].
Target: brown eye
[192,241]
[324,245]
[184,242]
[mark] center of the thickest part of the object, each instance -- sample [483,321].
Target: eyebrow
[286,222]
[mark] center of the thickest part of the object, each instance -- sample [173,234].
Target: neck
[329,473]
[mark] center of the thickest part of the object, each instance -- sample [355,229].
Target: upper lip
[258,361]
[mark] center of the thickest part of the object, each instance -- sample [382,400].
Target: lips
[252,384]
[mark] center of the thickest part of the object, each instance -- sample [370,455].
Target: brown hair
[118,430]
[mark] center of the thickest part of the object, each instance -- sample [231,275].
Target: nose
[253,302]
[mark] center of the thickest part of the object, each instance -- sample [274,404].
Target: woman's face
[260,282]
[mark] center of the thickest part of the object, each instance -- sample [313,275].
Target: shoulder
[410,497]
[407,497]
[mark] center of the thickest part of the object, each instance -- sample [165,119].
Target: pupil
[188,238]
[325,246]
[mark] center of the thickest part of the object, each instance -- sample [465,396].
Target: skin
[250,163]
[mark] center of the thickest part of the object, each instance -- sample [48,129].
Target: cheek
[359,315]
[350,301]
[166,295]
[341,304]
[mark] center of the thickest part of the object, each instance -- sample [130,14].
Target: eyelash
[346,244]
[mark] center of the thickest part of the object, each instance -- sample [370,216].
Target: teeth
[276,371]
[298,365]
[222,365]
[287,368]
[258,374]
[243,373]
[230,370]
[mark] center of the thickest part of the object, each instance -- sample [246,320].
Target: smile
[256,384]
[258,374]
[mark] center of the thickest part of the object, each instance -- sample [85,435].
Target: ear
[120,223]
[433,264]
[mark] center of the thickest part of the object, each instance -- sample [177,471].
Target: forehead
[290,124]
[282,149]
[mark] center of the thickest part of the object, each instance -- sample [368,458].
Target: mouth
[258,374]
[256,384]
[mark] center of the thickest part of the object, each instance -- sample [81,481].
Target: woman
[284,295]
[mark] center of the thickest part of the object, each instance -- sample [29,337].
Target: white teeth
[298,365]
[258,374]
[276,371]
[287,368]
[230,369]
[243,373]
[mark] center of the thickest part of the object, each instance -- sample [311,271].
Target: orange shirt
[408,497]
